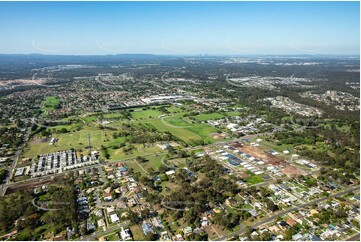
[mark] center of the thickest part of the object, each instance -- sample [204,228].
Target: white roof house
[169,173]
[114,218]
[125,234]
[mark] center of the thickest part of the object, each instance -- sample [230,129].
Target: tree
[151,237]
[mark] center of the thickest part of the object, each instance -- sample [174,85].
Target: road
[356,237]
[45,177]
[93,236]
[15,160]
[284,212]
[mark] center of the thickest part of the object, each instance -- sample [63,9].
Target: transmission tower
[89,146]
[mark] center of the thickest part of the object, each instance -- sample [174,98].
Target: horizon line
[195,54]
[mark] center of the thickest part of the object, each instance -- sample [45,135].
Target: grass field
[112,115]
[177,121]
[139,114]
[136,168]
[208,116]
[276,147]
[233,113]
[214,116]
[153,162]
[181,133]
[76,140]
[90,118]
[69,127]
[175,109]
[186,131]
[181,127]
[118,154]
[204,131]
[50,103]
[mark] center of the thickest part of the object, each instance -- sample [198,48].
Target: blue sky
[180,27]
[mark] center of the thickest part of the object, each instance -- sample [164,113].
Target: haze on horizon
[180,28]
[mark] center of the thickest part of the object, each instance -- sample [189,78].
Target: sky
[180,28]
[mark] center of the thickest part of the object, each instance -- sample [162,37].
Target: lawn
[253,178]
[112,237]
[137,232]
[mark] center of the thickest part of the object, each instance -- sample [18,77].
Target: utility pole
[89,146]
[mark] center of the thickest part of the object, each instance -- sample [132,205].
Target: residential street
[15,160]
[109,230]
[281,213]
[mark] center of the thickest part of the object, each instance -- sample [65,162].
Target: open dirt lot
[259,154]
[40,140]
[287,169]
[219,135]
[292,171]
